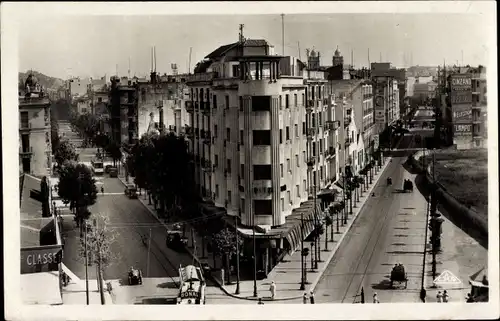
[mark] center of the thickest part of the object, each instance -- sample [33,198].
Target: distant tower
[338,59]
[313,60]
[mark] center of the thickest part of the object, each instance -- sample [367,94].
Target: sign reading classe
[38,259]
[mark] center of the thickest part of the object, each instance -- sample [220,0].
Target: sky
[94,46]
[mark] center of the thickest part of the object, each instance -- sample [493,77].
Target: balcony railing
[330,152]
[26,152]
[310,104]
[332,125]
[25,126]
[262,190]
[311,161]
[207,139]
[207,165]
[367,96]
[311,132]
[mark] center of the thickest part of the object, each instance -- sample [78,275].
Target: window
[241,103]
[215,131]
[263,207]
[242,206]
[281,170]
[305,158]
[228,167]
[289,197]
[262,137]
[297,160]
[281,136]
[241,136]
[319,118]
[281,102]
[319,92]
[286,101]
[216,160]
[287,133]
[261,103]
[313,120]
[216,190]
[305,184]
[99,99]
[295,100]
[261,172]
[303,128]
[229,197]
[314,149]
[303,99]
[25,120]
[321,172]
[242,171]
[227,101]
[236,71]
[288,164]
[282,204]
[228,134]
[296,130]
[297,188]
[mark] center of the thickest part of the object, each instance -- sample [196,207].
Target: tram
[192,285]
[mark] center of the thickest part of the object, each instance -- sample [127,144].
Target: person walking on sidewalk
[102,190]
[439,297]
[375,298]
[222,276]
[446,296]
[260,301]
[311,297]
[272,288]
[304,298]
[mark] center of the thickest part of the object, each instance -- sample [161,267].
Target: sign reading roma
[40,259]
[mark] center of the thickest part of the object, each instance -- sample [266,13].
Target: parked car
[134,277]
[113,172]
[131,191]
[176,241]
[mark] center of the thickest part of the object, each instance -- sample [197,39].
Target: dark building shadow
[152,301]
[383,285]
[167,285]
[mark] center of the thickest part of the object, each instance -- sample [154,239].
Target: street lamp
[254,261]
[302,252]
[237,256]
[312,257]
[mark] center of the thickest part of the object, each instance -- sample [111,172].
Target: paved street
[389,230]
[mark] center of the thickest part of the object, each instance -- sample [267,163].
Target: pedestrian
[102,190]
[446,296]
[311,297]
[222,276]
[272,288]
[469,298]
[375,298]
[260,301]
[439,297]
[304,298]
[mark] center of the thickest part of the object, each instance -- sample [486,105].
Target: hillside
[45,81]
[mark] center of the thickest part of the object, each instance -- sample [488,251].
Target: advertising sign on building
[40,259]
[461,89]
[462,115]
[376,142]
[463,129]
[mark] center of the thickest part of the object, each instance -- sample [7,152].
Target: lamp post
[237,257]
[302,253]
[254,262]
[86,267]
[312,256]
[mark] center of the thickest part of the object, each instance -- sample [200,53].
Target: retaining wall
[464,216]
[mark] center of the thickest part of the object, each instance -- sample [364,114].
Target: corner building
[249,143]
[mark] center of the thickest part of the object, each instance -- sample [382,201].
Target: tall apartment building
[465,106]
[35,148]
[123,112]
[256,141]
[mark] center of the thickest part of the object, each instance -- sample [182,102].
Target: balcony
[207,165]
[205,135]
[367,96]
[26,152]
[262,191]
[348,142]
[330,152]
[332,125]
[189,132]
[311,132]
[309,105]
[311,161]
[204,107]
[189,106]
[326,101]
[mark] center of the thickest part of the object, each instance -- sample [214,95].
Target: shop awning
[41,288]
[294,231]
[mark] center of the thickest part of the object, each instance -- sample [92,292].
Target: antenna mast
[189,63]
[154,52]
[352,58]
[369,64]
[151,59]
[283,33]
[298,45]
[241,38]
[129,67]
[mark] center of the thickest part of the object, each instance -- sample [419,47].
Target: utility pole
[369,63]
[298,45]
[283,33]
[128,67]
[149,251]
[189,63]
[254,261]
[237,257]
[302,253]
[86,267]
[99,261]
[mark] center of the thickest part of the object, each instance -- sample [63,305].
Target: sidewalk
[75,291]
[286,274]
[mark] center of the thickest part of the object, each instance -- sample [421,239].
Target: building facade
[123,112]
[35,148]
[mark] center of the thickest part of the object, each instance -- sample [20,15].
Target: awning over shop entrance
[293,228]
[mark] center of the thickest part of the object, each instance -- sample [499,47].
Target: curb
[353,219]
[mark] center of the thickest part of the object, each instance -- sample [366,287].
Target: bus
[97,167]
[192,285]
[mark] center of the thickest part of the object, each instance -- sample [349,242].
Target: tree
[54,131]
[114,150]
[225,245]
[65,152]
[44,191]
[99,241]
[328,222]
[77,187]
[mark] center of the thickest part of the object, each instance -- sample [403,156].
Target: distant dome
[337,52]
[313,53]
